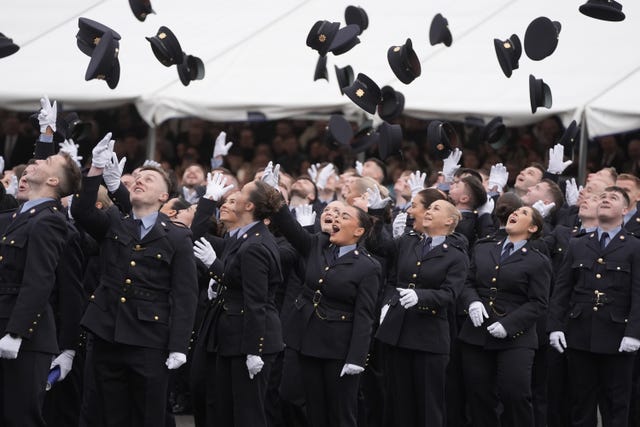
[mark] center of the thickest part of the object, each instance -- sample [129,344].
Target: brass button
[157,318]
[418,263]
[123,299]
[138,247]
[133,263]
[30,330]
[12,242]
[320,281]
[598,276]
[493,280]
[343,317]
[93,297]
[35,322]
[595,308]
[326,268]
[414,275]
[1,257]
[38,315]
[497,267]
[159,256]
[600,261]
[617,268]
[261,338]
[128,281]
[559,249]
[433,312]
[491,303]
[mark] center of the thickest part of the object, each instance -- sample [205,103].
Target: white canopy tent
[256,60]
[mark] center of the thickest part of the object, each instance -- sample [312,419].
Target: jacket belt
[317,297]
[140,293]
[493,294]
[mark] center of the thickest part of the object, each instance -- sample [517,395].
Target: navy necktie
[335,254]
[138,227]
[603,240]
[506,252]
[426,245]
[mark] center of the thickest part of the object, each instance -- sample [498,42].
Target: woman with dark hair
[245,332]
[331,322]
[508,286]
[426,278]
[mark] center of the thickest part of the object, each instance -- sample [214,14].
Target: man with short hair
[193,183]
[374,168]
[527,178]
[31,246]
[594,314]
[631,184]
[141,315]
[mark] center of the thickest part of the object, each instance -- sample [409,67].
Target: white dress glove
[349,369]
[572,192]
[399,225]
[359,167]
[9,347]
[48,114]
[221,147]
[383,312]
[408,297]
[216,187]
[211,293]
[497,330]
[487,207]
[175,360]
[254,365]
[101,153]
[451,164]
[305,215]
[477,313]
[13,186]
[113,172]
[556,165]
[416,182]
[312,171]
[271,175]
[69,147]
[542,208]
[65,361]
[557,340]
[498,177]
[629,345]
[203,250]
[1,164]
[375,200]
[324,175]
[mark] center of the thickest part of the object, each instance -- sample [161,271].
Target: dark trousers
[417,387]
[371,396]
[539,385]
[22,389]
[131,383]
[62,403]
[202,384]
[239,399]
[332,400]
[90,409]
[291,391]
[599,378]
[498,376]
[558,400]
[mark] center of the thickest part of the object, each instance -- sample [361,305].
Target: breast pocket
[13,250]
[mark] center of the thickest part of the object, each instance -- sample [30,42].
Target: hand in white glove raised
[271,175]
[487,207]
[65,361]
[543,209]
[572,192]
[101,153]
[556,155]
[557,340]
[9,347]
[350,369]
[375,200]
[416,182]
[399,225]
[477,313]
[203,250]
[498,177]
[324,175]
[408,297]
[71,148]
[216,187]
[359,167]
[451,164]
[629,345]
[254,365]
[305,215]
[221,147]
[175,360]
[113,172]
[47,115]
[13,186]
[312,171]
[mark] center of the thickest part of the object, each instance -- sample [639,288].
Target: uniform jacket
[333,315]
[596,300]
[31,244]
[438,278]
[147,292]
[514,293]
[248,275]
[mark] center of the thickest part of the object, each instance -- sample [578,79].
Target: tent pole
[151,143]
[582,151]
